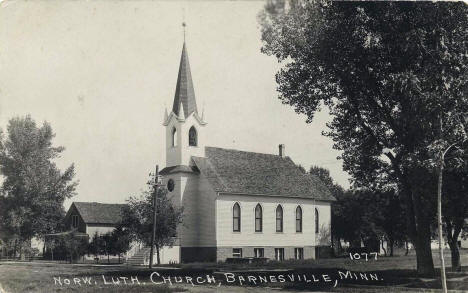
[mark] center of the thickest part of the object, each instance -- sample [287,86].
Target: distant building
[92,217]
[238,203]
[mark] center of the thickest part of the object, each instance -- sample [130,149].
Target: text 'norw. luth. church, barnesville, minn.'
[236,203]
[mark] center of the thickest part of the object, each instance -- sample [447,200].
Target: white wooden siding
[195,194]
[91,230]
[269,237]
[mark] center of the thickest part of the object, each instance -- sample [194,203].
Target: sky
[101,73]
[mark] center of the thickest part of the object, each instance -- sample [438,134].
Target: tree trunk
[455,252]
[22,254]
[422,237]
[407,247]
[453,232]
[383,247]
[425,264]
[157,254]
[418,227]
[15,247]
[339,249]
[391,242]
[108,259]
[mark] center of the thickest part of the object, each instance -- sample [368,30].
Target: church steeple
[184,127]
[184,94]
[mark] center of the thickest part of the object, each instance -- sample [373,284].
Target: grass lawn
[386,274]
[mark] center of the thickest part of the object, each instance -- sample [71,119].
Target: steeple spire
[184,94]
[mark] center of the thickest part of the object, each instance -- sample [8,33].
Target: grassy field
[392,274]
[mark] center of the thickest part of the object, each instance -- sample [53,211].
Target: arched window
[298,219]
[236,218]
[192,136]
[279,219]
[174,137]
[258,218]
[317,226]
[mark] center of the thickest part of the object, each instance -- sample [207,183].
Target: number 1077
[364,255]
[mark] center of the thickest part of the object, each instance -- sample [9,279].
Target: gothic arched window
[298,219]
[174,137]
[279,219]
[236,218]
[258,218]
[192,136]
[317,221]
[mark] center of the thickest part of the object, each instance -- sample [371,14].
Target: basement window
[237,252]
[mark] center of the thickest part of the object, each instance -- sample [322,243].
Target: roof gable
[233,171]
[99,213]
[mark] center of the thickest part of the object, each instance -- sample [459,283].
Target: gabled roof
[185,94]
[240,172]
[99,213]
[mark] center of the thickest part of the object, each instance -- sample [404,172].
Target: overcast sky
[102,72]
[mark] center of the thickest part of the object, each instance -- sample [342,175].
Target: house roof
[185,94]
[233,171]
[99,213]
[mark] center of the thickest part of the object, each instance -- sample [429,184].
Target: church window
[74,219]
[258,218]
[170,185]
[298,219]
[174,137]
[236,218]
[192,136]
[279,219]
[317,221]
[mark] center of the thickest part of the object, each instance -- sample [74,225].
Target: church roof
[240,172]
[184,94]
[99,213]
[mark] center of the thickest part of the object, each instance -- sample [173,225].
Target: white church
[237,203]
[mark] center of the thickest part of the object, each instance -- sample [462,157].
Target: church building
[238,203]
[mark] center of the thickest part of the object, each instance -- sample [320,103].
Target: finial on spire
[183,22]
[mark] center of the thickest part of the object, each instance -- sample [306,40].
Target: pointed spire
[165,115]
[185,94]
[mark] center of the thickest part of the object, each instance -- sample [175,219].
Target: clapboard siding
[206,216]
[194,193]
[268,237]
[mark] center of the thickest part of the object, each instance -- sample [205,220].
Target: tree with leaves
[384,215]
[138,222]
[33,189]
[339,228]
[121,240]
[455,210]
[95,245]
[390,73]
[107,245]
[74,246]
